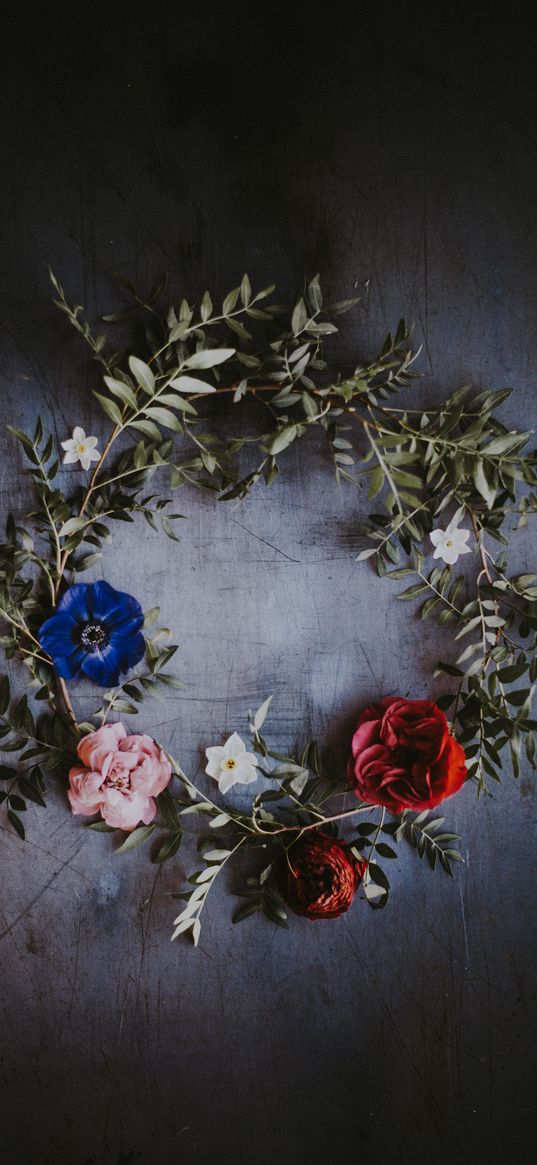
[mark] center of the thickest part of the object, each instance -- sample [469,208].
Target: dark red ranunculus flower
[404,757]
[320,876]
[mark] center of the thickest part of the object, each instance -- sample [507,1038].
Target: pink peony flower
[119,778]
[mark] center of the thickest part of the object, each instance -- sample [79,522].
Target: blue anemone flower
[96,631]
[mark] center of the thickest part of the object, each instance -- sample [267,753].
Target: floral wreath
[448,482]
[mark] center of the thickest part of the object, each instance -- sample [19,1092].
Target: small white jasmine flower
[80,448]
[450,543]
[230,764]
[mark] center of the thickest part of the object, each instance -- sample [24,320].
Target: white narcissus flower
[451,542]
[230,764]
[80,448]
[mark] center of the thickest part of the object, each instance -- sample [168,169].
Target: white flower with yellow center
[80,448]
[230,764]
[450,543]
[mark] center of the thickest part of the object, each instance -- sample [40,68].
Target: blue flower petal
[103,667]
[58,636]
[74,602]
[57,632]
[125,622]
[121,616]
[127,628]
[115,608]
[70,666]
[131,648]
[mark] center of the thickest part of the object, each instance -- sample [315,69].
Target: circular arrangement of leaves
[447,481]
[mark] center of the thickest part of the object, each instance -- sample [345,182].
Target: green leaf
[150,616]
[205,875]
[450,669]
[136,838]
[147,428]
[192,384]
[85,561]
[274,912]
[246,911]
[209,357]
[299,318]
[140,456]
[315,294]
[206,307]
[31,791]
[384,850]
[506,443]
[7,774]
[518,697]
[230,302]
[219,821]
[122,391]
[283,438]
[16,822]
[5,694]
[168,848]
[142,374]
[487,491]
[17,802]
[506,675]
[169,810]
[376,481]
[109,407]
[413,591]
[260,716]
[183,925]
[72,526]
[164,417]
[378,876]
[246,291]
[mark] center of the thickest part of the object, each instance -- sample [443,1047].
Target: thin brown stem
[65,555]
[482,552]
[91,487]
[312,825]
[67,701]
[20,627]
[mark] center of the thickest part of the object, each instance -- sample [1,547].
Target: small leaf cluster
[430,841]
[41,746]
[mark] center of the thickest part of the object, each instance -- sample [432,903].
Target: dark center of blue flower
[93,636]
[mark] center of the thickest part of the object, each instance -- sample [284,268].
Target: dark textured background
[398,146]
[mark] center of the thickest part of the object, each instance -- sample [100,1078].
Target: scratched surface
[401,149]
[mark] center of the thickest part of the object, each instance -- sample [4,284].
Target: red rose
[404,756]
[320,876]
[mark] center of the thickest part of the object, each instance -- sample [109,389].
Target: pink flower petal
[94,748]
[84,793]
[127,810]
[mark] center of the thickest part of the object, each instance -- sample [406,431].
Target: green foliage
[426,835]
[260,898]
[457,460]
[40,746]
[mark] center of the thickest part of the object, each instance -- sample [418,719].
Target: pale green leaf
[142,374]
[191,384]
[209,357]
